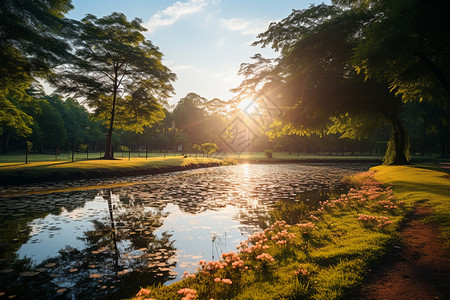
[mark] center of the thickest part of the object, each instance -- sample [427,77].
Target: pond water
[106,243]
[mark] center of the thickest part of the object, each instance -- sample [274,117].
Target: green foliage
[12,117]
[357,126]
[30,39]
[403,45]
[124,148]
[118,72]
[209,148]
[48,129]
[83,147]
[315,80]
[201,120]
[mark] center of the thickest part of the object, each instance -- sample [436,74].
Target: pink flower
[143,292]
[265,257]
[189,294]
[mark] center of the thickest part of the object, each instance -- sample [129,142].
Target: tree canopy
[338,71]
[118,72]
[34,38]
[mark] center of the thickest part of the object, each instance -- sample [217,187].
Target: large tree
[314,80]
[406,45]
[119,73]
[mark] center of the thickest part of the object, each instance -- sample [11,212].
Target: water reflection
[107,243]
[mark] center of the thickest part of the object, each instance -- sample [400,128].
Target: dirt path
[419,269]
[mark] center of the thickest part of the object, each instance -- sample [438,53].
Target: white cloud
[172,13]
[246,27]
[180,67]
[220,43]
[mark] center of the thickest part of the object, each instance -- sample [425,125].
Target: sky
[203,41]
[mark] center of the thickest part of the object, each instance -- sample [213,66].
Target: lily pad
[29,274]
[6,271]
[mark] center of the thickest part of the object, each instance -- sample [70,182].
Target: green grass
[424,185]
[63,156]
[19,172]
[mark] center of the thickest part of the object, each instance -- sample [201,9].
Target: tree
[32,38]
[190,117]
[314,79]
[33,41]
[119,73]
[48,127]
[405,45]
[209,148]
[13,120]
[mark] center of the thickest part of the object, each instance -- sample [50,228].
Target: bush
[268,153]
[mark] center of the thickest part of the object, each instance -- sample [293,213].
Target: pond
[106,243]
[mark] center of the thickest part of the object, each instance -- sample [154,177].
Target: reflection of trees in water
[17,212]
[115,264]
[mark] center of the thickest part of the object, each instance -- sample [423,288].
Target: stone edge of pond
[19,178]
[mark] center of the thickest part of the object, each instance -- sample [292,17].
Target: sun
[248,106]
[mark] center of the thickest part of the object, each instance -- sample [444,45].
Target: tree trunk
[400,138]
[6,136]
[108,150]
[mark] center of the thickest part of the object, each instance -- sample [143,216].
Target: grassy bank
[421,185]
[21,173]
[324,253]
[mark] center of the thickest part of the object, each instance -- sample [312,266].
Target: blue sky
[203,41]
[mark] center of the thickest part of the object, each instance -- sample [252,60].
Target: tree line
[349,76]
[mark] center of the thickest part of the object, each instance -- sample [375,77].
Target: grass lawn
[15,172]
[326,253]
[279,157]
[64,156]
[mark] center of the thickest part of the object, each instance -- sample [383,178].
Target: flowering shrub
[374,222]
[144,293]
[189,294]
[265,258]
[302,274]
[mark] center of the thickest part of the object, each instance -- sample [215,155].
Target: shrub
[268,153]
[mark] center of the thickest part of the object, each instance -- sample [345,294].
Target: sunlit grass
[57,170]
[416,185]
[110,164]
